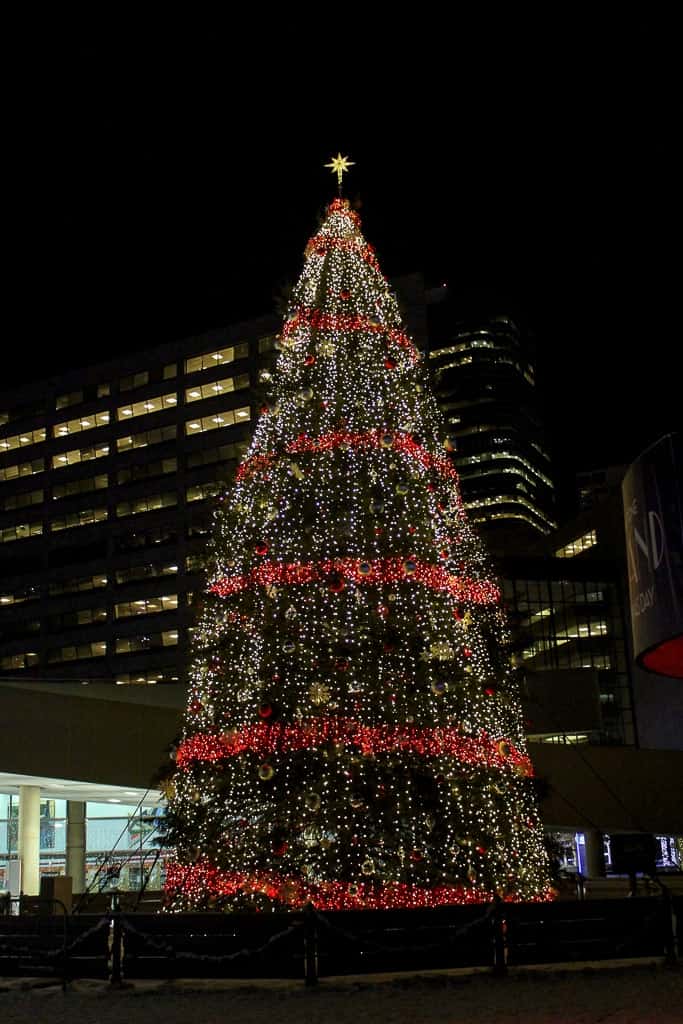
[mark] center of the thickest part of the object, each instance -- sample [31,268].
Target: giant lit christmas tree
[353,735]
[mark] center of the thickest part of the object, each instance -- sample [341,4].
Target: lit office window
[575,547]
[146,503]
[24,500]
[135,380]
[19,661]
[77,455]
[146,606]
[77,584]
[144,678]
[146,406]
[147,642]
[77,652]
[20,531]
[20,595]
[147,437]
[145,470]
[95,419]
[170,371]
[84,517]
[216,387]
[103,390]
[22,469]
[200,492]
[72,398]
[216,358]
[134,573]
[83,486]
[22,440]
[218,420]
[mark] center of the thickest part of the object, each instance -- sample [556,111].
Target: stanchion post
[116,979]
[499,924]
[668,921]
[310,947]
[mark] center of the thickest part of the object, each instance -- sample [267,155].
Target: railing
[311,945]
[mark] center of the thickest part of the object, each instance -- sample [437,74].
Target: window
[575,547]
[135,380]
[19,661]
[77,584]
[147,503]
[22,469]
[146,470]
[79,617]
[170,371]
[22,440]
[147,437]
[144,678]
[194,563]
[94,419]
[79,455]
[77,652]
[82,486]
[223,453]
[221,419]
[20,531]
[146,606]
[210,359]
[84,517]
[266,344]
[146,406]
[21,500]
[144,572]
[216,387]
[103,390]
[72,398]
[145,539]
[146,642]
[28,593]
[200,492]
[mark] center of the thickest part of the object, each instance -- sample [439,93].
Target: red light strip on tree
[391,440]
[309,316]
[195,880]
[264,738]
[321,244]
[374,571]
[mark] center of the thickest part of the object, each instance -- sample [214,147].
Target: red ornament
[309,360]
[467,653]
[490,691]
[265,710]
[411,529]
[337,584]
[279,848]
[341,664]
[416,855]
[345,294]
[265,410]
[443,554]
[480,849]
[261,547]
[390,363]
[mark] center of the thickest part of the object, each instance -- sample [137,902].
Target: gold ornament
[319,693]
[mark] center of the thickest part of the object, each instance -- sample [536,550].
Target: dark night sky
[155,198]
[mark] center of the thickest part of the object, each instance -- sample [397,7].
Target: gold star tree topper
[339,165]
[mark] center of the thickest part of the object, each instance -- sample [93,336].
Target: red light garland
[308,316]
[264,738]
[399,441]
[195,880]
[357,570]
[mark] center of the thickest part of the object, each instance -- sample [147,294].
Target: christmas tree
[353,735]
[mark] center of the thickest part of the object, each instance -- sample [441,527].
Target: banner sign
[653,513]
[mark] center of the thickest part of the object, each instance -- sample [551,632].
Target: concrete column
[595,853]
[29,839]
[75,843]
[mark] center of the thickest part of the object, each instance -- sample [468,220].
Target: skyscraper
[484,377]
